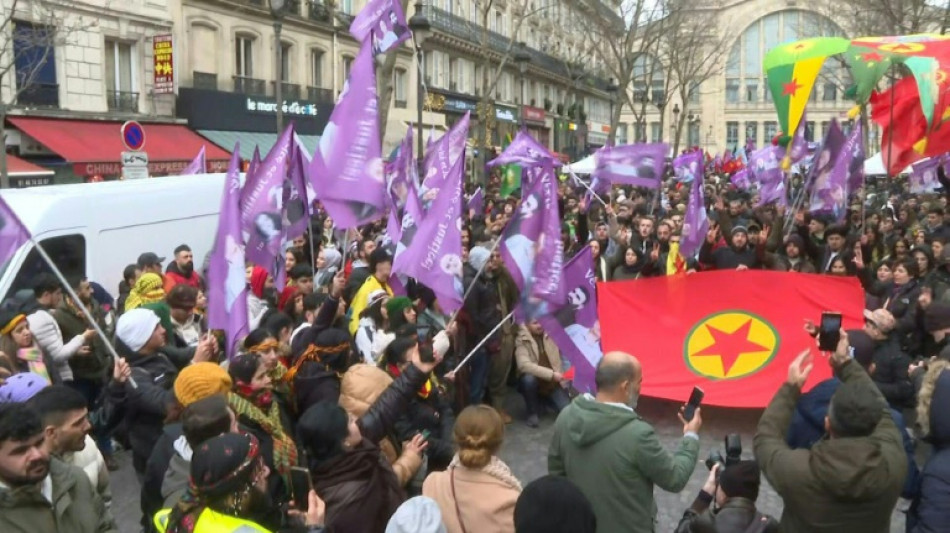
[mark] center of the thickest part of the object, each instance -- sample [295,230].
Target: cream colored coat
[527,355]
[486,500]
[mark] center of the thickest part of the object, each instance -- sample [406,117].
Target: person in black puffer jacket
[930,510]
[738,253]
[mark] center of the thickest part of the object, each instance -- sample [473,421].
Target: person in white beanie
[140,339]
[417,515]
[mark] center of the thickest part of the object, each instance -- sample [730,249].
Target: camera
[733,445]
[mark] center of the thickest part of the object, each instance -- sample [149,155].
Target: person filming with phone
[614,457]
[849,481]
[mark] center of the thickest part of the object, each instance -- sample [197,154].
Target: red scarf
[426,387]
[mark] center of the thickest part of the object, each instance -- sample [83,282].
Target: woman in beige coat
[478,492]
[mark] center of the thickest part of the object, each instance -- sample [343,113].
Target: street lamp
[420,27]
[676,117]
[277,8]
[522,58]
[612,91]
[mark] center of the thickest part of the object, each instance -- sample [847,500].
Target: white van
[96,229]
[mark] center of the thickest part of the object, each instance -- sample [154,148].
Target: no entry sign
[133,135]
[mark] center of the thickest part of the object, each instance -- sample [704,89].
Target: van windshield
[68,253]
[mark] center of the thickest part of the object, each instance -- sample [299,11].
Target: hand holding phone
[300,487]
[829,331]
[695,399]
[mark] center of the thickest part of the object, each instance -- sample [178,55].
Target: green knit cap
[397,305]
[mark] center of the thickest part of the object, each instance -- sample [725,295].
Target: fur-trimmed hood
[935,390]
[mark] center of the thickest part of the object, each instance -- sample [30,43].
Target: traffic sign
[135,159]
[133,135]
[135,172]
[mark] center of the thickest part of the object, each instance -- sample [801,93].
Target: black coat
[481,304]
[890,374]
[727,257]
[151,498]
[735,516]
[432,414]
[148,402]
[930,510]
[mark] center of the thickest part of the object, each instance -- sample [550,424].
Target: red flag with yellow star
[731,333]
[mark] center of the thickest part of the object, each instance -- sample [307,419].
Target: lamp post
[673,136]
[612,95]
[277,8]
[522,58]
[420,27]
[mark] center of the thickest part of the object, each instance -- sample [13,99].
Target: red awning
[18,167]
[95,147]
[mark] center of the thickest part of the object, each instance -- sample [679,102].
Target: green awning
[250,139]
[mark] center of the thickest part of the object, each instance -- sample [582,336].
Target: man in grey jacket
[49,296]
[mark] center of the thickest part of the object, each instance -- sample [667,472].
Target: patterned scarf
[496,468]
[426,388]
[34,361]
[148,289]
[285,451]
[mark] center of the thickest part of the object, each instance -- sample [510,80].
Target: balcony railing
[124,101]
[288,91]
[39,95]
[400,104]
[205,80]
[320,12]
[319,95]
[249,86]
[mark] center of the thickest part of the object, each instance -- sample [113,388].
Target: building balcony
[319,95]
[249,86]
[123,101]
[400,104]
[288,91]
[39,95]
[319,12]
[204,80]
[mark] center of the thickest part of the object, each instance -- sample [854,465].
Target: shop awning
[250,139]
[17,167]
[95,147]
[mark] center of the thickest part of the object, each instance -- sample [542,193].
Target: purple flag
[854,146]
[741,179]
[695,222]
[798,146]
[296,203]
[383,22]
[261,207]
[532,248]
[434,251]
[828,180]
[749,145]
[477,201]
[765,167]
[13,234]
[255,163]
[227,285]
[197,165]
[347,169]
[526,152]
[923,176]
[640,165]
[574,327]
[688,167]
[402,188]
[439,162]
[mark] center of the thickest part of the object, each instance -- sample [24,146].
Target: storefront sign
[154,167]
[533,114]
[506,114]
[294,108]
[455,105]
[596,137]
[22,182]
[163,56]
[218,110]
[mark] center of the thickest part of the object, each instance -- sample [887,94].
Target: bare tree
[30,32]
[693,52]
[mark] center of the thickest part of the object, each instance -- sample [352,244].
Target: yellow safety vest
[212,522]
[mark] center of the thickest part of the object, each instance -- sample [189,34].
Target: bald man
[602,445]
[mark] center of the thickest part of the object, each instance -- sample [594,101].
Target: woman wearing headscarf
[256,303]
[328,264]
[228,491]
[147,289]
[19,351]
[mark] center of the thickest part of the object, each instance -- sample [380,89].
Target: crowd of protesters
[359,388]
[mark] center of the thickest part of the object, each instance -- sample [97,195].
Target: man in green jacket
[39,493]
[849,481]
[613,455]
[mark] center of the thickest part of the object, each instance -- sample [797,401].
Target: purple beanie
[22,387]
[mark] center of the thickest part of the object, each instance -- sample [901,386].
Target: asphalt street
[525,451]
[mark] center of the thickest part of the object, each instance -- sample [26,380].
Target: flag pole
[482,342]
[72,294]
[578,180]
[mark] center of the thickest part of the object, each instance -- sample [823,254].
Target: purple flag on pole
[532,249]
[741,179]
[688,167]
[695,222]
[749,145]
[765,167]
[574,327]
[828,180]
[434,252]
[254,165]
[347,169]
[227,285]
[13,234]
[296,203]
[383,22]
[640,165]
[197,165]
[477,201]
[923,176]
[526,152]
[440,161]
[798,146]
[854,147]
[261,206]
[400,186]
